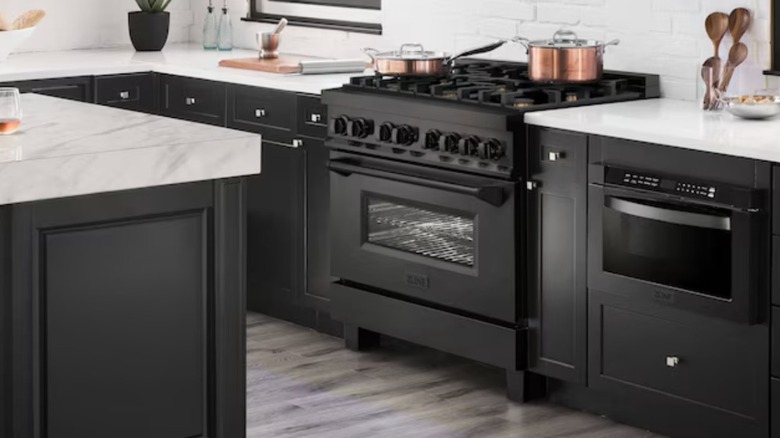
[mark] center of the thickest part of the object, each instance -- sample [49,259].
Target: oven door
[695,257]
[429,235]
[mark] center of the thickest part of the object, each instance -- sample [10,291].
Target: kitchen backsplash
[82,24]
[666,37]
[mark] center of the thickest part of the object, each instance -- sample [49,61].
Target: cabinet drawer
[312,117]
[267,112]
[134,92]
[76,88]
[193,99]
[559,155]
[715,365]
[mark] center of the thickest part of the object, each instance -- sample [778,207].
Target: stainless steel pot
[565,58]
[414,60]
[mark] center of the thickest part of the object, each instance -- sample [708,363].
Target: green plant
[153,6]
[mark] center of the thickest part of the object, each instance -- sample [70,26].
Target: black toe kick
[365,313]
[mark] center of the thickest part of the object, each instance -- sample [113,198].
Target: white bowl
[10,40]
[767,109]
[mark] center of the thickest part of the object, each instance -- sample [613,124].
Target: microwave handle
[492,194]
[670,216]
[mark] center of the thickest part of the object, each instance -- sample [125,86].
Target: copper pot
[414,60]
[565,58]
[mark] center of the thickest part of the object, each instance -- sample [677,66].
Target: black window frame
[775,42]
[349,26]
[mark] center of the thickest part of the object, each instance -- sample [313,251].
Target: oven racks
[437,235]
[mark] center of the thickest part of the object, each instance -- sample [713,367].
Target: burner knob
[360,128]
[491,150]
[340,125]
[386,132]
[468,146]
[449,143]
[432,139]
[404,135]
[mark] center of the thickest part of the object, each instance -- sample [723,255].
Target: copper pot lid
[565,39]
[410,51]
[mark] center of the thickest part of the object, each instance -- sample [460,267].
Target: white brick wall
[80,24]
[666,37]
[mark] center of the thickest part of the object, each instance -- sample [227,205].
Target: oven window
[684,256]
[438,235]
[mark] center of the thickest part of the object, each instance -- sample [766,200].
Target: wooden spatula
[29,19]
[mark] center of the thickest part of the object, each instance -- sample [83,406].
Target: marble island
[66,148]
[123,267]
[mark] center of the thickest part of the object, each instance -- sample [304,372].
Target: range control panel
[740,197]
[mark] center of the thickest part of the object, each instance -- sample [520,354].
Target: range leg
[522,386]
[358,339]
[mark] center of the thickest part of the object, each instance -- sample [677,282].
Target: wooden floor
[305,384]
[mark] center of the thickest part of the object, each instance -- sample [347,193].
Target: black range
[429,208]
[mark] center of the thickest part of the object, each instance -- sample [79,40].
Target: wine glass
[10,110]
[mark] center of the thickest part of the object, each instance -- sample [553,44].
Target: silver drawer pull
[297,143]
[672,361]
[189,101]
[555,156]
[259,113]
[124,95]
[316,118]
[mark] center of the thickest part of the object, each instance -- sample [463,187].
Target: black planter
[149,32]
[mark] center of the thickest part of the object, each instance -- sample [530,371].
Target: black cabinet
[76,88]
[312,117]
[136,92]
[128,314]
[558,254]
[191,99]
[677,373]
[270,113]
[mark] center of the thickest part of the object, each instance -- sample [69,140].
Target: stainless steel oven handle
[670,216]
[493,195]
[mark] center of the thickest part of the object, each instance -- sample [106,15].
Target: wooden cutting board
[284,64]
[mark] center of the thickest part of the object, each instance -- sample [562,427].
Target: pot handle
[525,42]
[475,51]
[416,46]
[612,43]
[371,52]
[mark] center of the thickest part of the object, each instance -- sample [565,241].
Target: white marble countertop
[175,59]
[672,123]
[67,148]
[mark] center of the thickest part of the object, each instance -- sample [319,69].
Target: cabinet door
[136,92]
[275,232]
[126,299]
[557,253]
[267,112]
[317,247]
[76,88]
[191,99]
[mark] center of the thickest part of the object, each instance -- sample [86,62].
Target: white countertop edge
[85,174]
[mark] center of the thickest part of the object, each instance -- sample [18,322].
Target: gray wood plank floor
[306,384]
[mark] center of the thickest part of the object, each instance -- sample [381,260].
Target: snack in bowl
[755,107]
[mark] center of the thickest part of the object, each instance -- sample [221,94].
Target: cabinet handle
[672,361]
[297,143]
[531,185]
[555,156]
[316,118]
[189,101]
[124,95]
[259,113]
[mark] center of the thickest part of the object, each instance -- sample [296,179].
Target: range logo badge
[664,296]
[419,281]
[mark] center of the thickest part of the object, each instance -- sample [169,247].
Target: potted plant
[149,26]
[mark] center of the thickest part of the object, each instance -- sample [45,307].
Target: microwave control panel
[656,183]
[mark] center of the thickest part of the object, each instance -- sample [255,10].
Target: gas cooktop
[504,84]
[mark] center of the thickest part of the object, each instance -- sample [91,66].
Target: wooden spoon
[29,19]
[739,23]
[717,24]
[737,56]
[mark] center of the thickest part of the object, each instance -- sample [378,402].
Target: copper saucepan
[414,60]
[565,58]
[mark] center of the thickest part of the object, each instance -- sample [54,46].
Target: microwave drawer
[683,361]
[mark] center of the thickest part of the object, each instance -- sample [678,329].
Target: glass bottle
[225,35]
[210,30]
